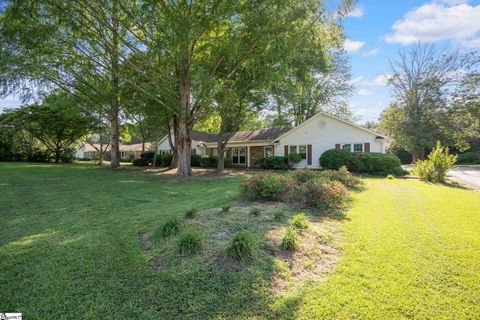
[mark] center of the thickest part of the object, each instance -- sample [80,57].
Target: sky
[377,29]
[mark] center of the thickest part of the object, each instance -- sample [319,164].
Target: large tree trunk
[114,125]
[183,135]
[57,156]
[174,163]
[221,156]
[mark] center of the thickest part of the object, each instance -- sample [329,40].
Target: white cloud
[436,21]
[371,53]
[367,113]
[380,80]
[364,92]
[356,13]
[353,46]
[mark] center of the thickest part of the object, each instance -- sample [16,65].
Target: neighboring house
[310,139]
[127,151]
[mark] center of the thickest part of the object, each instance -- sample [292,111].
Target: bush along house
[309,140]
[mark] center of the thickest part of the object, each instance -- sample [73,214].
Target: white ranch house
[310,139]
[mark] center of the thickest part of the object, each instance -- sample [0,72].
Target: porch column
[248,156]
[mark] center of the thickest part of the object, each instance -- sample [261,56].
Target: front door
[239,156]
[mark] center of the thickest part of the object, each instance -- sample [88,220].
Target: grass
[71,247]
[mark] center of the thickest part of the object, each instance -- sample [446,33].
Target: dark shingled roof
[204,137]
[243,136]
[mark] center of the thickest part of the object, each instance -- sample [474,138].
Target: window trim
[265,151]
[303,153]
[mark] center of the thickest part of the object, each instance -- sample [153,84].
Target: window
[239,156]
[268,151]
[194,151]
[302,150]
[358,147]
[293,149]
[346,147]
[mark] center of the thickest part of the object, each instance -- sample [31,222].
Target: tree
[57,123]
[422,80]
[199,43]
[73,46]
[463,118]
[307,90]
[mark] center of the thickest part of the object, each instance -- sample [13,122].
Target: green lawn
[70,249]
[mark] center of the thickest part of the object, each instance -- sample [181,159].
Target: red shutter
[309,154]
[337,146]
[367,147]
[285,152]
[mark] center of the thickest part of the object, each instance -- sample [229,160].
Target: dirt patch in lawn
[316,254]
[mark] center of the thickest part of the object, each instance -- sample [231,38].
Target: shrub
[209,162]
[290,239]
[376,164]
[335,158]
[320,193]
[303,175]
[342,175]
[169,228]
[195,160]
[190,242]
[241,247]
[277,163]
[140,162]
[299,221]
[190,213]
[147,156]
[469,157]
[255,212]
[436,166]
[294,158]
[226,208]
[67,156]
[390,177]
[269,187]
[164,160]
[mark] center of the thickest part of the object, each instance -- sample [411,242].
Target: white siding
[164,145]
[323,133]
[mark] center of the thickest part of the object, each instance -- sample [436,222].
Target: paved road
[469,177]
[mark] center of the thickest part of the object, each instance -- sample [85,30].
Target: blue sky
[376,30]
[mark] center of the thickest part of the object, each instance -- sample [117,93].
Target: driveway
[469,177]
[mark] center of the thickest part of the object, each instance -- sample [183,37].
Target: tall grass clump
[190,242]
[241,247]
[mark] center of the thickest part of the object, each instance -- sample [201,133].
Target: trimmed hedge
[376,164]
[196,160]
[334,159]
[275,162]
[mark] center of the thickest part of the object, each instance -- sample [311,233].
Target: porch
[244,155]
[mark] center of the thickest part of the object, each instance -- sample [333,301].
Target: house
[128,152]
[310,139]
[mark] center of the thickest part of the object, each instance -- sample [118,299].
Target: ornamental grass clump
[290,239]
[241,247]
[299,221]
[189,214]
[255,212]
[169,228]
[190,242]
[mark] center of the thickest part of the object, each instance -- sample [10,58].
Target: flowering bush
[342,175]
[321,193]
[269,187]
[303,175]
